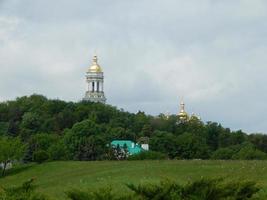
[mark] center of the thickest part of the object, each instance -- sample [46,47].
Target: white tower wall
[95,81]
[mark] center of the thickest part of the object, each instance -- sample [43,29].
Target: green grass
[54,178]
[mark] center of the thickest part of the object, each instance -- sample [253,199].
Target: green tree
[191,146]
[249,152]
[38,142]
[30,124]
[11,149]
[40,156]
[4,128]
[164,142]
[259,140]
[223,154]
[147,130]
[58,151]
[213,131]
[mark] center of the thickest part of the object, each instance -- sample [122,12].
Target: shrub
[223,154]
[148,155]
[249,153]
[58,151]
[40,156]
[24,192]
[75,194]
[100,194]
[203,189]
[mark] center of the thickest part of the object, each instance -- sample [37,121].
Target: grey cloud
[211,53]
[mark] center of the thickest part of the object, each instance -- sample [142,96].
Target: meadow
[55,178]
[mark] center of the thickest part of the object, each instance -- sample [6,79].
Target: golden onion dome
[182,114]
[95,66]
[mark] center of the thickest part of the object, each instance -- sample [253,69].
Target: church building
[95,81]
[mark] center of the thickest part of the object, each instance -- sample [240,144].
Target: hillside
[54,178]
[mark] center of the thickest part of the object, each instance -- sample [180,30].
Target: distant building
[131,147]
[95,81]
[144,142]
[182,115]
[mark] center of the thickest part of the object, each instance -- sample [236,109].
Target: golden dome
[95,66]
[182,114]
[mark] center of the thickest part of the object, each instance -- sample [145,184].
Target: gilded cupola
[95,67]
[182,114]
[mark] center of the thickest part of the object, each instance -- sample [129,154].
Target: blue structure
[132,148]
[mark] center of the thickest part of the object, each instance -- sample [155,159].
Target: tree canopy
[83,131]
[10,149]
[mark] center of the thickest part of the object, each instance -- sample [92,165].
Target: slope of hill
[55,178]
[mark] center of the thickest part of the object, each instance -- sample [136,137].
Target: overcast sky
[211,53]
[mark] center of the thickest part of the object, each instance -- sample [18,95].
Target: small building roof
[121,143]
[131,146]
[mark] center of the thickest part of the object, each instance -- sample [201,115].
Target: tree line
[59,130]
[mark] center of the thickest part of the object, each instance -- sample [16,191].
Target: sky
[154,53]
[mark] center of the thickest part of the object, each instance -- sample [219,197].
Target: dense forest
[58,130]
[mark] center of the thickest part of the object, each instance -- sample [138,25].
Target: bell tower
[95,81]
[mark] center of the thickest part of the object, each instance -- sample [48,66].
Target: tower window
[93,86]
[97,86]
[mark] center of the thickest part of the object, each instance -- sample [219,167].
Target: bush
[148,155]
[58,151]
[100,194]
[40,156]
[203,189]
[24,192]
[223,154]
[250,153]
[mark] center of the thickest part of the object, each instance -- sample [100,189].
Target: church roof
[95,67]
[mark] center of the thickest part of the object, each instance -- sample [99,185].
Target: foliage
[259,141]
[164,142]
[82,131]
[223,154]
[148,155]
[190,146]
[58,151]
[4,128]
[203,189]
[41,142]
[11,149]
[24,192]
[249,152]
[40,156]
[104,193]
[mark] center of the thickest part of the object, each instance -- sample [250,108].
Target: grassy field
[54,178]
